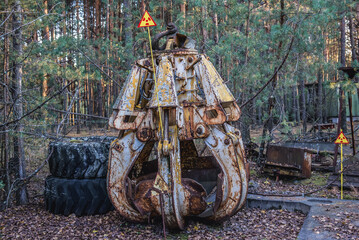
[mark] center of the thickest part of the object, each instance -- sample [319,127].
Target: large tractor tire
[79,196]
[80,158]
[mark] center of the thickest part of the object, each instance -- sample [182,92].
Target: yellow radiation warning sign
[341,139]
[146,21]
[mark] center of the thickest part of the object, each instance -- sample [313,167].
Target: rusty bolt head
[226,141]
[237,133]
[190,59]
[200,130]
[144,133]
[147,63]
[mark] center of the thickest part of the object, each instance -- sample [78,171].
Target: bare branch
[99,68]
[39,106]
[274,74]
[12,11]
[59,127]
[26,179]
[79,114]
[24,25]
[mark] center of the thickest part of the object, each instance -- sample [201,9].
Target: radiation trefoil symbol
[341,139]
[146,21]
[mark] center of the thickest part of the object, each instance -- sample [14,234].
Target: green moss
[349,197]
[253,172]
[317,179]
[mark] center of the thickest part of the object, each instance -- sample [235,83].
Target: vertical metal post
[338,130]
[341,171]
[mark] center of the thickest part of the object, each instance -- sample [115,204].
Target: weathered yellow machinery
[176,155]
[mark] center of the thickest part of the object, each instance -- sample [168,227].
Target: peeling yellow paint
[219,88]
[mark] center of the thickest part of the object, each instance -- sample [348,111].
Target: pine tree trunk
[216,40]
[6,105]
[45,87]
[63,65]
[247,33]
[108,23]
[98,36]
[167,8]
[112,17]
[87,93]
[246,118]
[120,21]
[343,124]
[142,7]
[319,104]
[357,19]
[78,101]
[127,18]
[352,41]
[303,109]
[21,194]
[87,19]
[203,25]
[325,78]
[297,115]
[98,18]
[183,13]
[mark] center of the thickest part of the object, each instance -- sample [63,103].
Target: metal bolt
[190,59]
[144,133]
[237,133]
[199,130]
[226,141]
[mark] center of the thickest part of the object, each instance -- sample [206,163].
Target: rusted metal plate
[164,93]
[215,89]
[294,161]
[324,126]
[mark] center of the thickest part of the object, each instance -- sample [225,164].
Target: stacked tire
[77,184]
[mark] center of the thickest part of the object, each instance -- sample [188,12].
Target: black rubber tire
[82,197]
[84,157]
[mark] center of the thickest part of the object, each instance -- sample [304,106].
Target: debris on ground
[343,225]
[34,222]
[264,184]
[350,175]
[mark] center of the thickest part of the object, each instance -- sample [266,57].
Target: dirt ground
[34,222]
[263,184]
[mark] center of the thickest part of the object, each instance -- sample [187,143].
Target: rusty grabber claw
[243,165]
[176,156]
[127,149]
[169,195]
[232,190]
